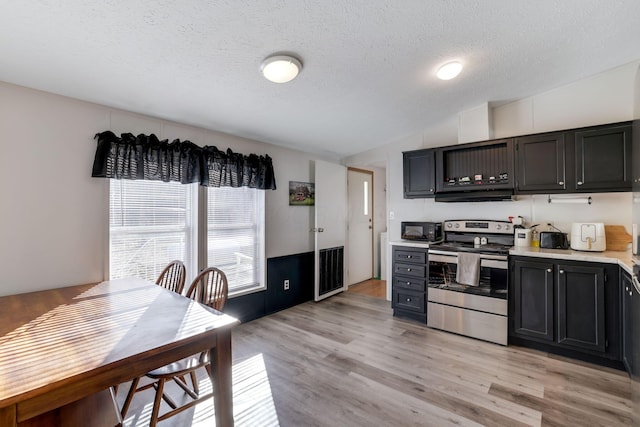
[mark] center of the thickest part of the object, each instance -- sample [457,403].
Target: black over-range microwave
[425,231]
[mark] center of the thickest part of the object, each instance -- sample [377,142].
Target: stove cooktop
[470,247]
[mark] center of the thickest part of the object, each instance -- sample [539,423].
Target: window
[152,223]
[235,235]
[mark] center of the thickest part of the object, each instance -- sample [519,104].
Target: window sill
[246,291]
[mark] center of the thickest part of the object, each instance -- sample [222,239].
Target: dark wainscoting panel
[297,268]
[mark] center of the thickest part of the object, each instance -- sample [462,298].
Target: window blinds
[151,223]
[235,235]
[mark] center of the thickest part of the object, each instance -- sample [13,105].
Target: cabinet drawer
[410,256]
[412,270]
[417,285]
[408,300]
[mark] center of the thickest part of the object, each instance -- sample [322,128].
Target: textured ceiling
[369,66]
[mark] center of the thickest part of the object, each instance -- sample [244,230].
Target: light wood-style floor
[372,287]
[347,362]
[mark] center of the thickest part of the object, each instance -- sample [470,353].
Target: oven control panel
[479,226]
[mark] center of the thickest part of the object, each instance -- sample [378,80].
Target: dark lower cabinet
[581,307]
[569,306]
[629,294]
[409,287]
[532,298]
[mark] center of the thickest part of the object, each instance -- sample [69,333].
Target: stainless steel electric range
[468,279]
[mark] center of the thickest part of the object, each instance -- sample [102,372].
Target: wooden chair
[210,288]
[173,277]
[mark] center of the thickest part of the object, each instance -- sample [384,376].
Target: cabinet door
[532,299]
[541,162]
[581,307]
[627,322]
[419,173]
[635,332]
[603,158]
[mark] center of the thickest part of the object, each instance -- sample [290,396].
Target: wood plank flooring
[347,362]
[372,287]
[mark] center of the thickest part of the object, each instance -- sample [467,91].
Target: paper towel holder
[572,200]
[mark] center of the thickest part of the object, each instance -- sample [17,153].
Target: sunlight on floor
[252,401]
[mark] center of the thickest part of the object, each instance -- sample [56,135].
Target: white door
[360,235]
[330,228]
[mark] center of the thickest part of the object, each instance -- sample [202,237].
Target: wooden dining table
[61,350]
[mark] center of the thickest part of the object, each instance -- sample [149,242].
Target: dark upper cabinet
[476,166]
[603,158]
[581,307]
[588,160]
[542,163]
[419,170]
[568,305]
[532,299]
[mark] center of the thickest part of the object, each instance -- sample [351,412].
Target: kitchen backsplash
[609,208]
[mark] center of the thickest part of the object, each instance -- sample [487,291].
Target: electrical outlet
[286,284]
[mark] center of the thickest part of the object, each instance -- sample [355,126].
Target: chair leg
[132,391]
[194,381]
[156,403]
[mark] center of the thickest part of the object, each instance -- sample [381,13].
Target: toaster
[588,236]
[553,240]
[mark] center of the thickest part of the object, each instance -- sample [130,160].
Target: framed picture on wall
[301,193]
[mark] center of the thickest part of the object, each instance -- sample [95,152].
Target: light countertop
[624,259]
[409,243]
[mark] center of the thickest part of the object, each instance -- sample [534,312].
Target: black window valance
[147,157]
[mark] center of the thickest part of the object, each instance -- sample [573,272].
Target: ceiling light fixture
[449,70]
[280,68]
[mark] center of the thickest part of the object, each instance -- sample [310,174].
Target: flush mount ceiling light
[280,68]
[449,70]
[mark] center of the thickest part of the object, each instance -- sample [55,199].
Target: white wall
[604,98]
[53,220]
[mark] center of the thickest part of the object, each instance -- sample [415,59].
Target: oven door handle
[453,259]
[449,259]
[492,263]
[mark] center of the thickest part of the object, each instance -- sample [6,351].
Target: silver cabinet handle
[561,271]
[408,299]
[409,284]
[408,256]
[561,183]
[579,182]
[549,270]
[636,284]
[408,269]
